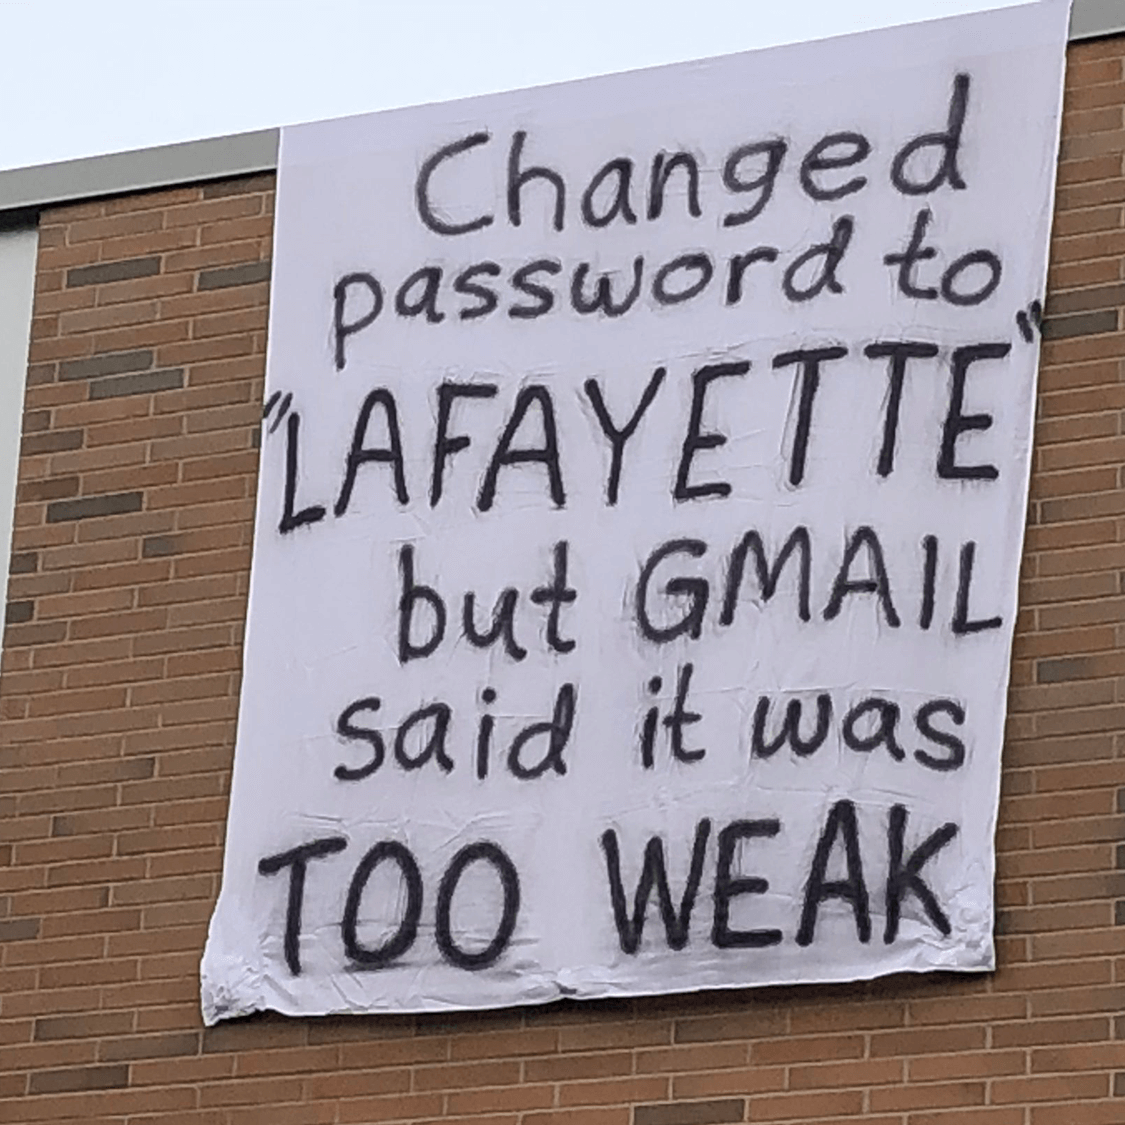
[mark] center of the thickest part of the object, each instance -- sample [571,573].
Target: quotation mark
[1030,321]
[282,409]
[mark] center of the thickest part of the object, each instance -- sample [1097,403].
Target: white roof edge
[217,158]
[1095,19]
[243,154]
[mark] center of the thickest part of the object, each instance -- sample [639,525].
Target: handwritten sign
[644,470]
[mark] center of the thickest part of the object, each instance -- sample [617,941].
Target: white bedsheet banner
[643,483]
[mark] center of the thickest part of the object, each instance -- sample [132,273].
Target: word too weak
[837,880]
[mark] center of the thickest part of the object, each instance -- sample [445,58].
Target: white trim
[1095,19]
[122,173]
[18,248]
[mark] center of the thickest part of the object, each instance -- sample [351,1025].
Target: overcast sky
[82,77]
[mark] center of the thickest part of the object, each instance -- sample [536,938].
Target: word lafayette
[533,409]
[838,845]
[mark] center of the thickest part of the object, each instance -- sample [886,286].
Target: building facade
[119,699]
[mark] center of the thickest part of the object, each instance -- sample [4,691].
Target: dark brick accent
[36,421]
[58,442]
[112,271]
[1119,857]
[90,507]
[159,546]
[717,1112]
[1119,913]
[17,613]
[1084,324]
[1064,668]
[83,1025]
[71,1079]
[229,276]
[244,185]
[754,1021]
[1082,300]
[266,1030]
[143,383]
[1119,1084]
[115,363]
[1121,800]
[131,769]
[19,929]
[169,1046]
[26,562]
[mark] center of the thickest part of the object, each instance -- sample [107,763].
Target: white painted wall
[17,285]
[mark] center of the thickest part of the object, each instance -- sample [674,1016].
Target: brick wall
[119,697]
